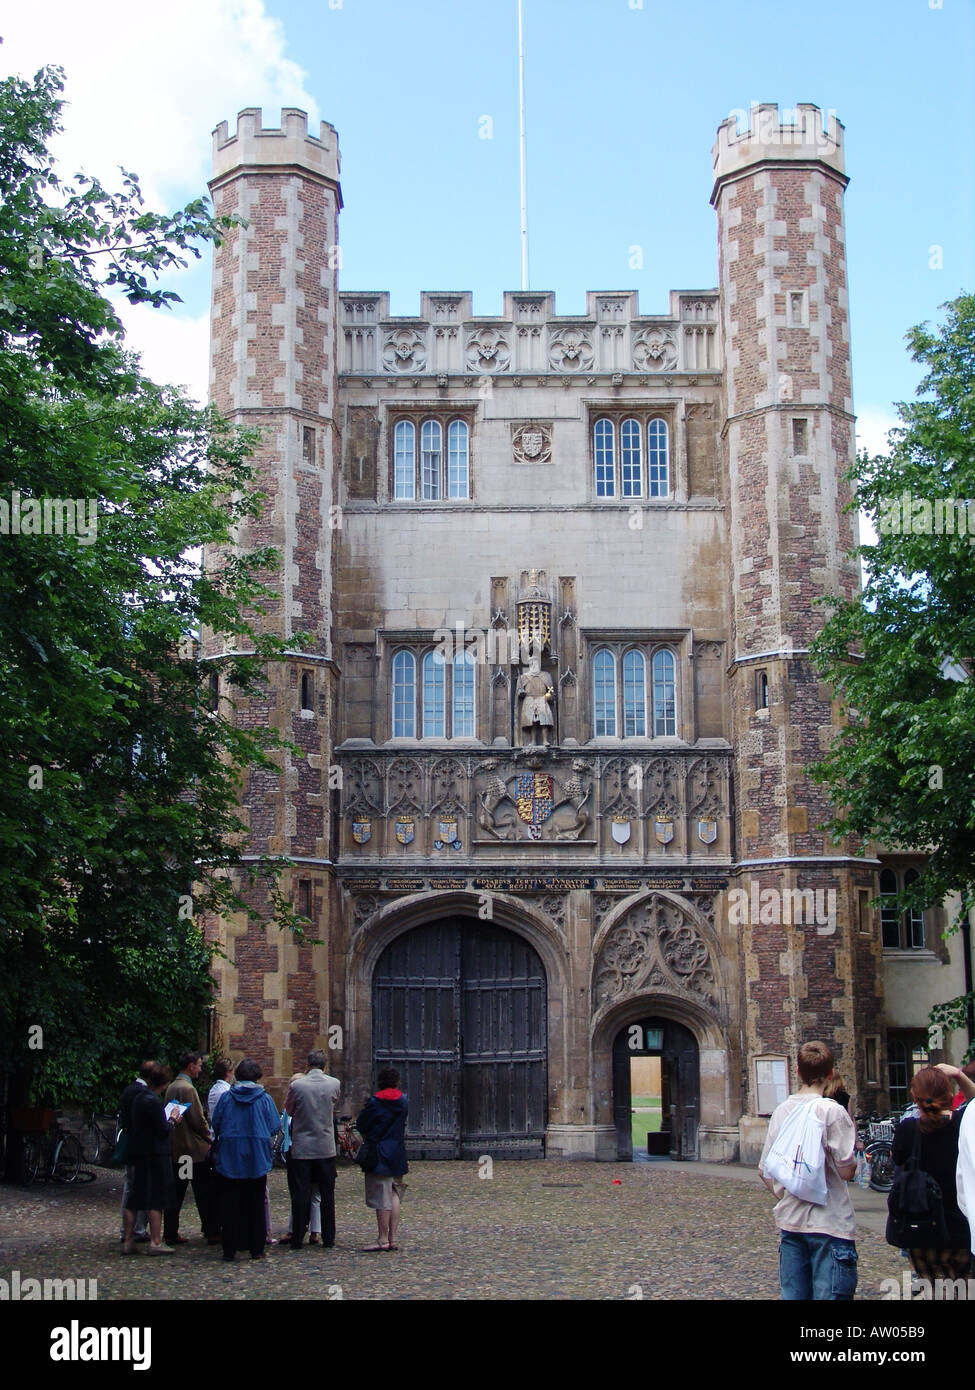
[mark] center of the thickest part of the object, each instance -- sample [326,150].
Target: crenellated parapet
[528,338]
[278,149]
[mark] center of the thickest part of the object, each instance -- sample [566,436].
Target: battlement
[529,337]
[769,139]
[288,146]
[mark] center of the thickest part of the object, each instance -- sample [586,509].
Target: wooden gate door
[503,1054]
[680,1083]
[680,1057]
[416,1029]
[459,1008]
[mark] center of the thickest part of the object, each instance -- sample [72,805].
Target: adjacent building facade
[551,811]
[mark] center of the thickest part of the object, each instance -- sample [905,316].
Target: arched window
[431,460]
[664,695]
[631,458]
[457,459]
[462,702]
[915,918]
[890,927]
[307,690]
[214,690]
[604,694]
[603,453]
[404,460]
[433,695]
[634,695]
[404,695]
[658,459]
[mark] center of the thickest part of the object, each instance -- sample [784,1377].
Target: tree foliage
[900,653]
[119,778]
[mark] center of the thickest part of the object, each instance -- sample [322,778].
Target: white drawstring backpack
[797,1158]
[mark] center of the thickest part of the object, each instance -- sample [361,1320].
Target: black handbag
[915,1206]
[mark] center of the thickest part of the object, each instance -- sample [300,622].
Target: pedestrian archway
[656,1089]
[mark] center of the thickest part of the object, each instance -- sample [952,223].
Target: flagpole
[522,151]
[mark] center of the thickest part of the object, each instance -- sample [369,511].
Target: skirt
[152,1184]
[380,1189]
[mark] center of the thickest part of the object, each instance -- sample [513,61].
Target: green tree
[899,654]
[119,775]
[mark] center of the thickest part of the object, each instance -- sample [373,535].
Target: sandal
[373,1249]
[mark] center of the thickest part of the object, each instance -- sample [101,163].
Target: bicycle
[98,1144]
[875,1135]
[60,1152]
[349,1140]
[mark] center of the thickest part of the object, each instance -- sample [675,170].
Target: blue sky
[623,101]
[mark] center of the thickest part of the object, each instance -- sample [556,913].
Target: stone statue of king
[536,695]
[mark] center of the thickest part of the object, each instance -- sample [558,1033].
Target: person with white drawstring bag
[808,1159]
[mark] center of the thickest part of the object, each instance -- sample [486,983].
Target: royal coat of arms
[447,834]
[707,831]
[534,800]
[362,831]
[663,829]
[405,830]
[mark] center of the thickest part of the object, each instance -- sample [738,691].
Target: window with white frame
[431,460]
[631,696]
[438,699]
[631,457]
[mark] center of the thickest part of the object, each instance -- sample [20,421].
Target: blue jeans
[816,1266]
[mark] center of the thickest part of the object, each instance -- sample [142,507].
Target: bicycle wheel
[881,1167]
[92,1143]
[30,1158]
[67,1159]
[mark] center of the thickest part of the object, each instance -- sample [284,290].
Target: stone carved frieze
[449,782]
[533,799]
[619,786]
[404,351]
[404,786]
[706,788]
[656,946]
[570,350]
[662,787]
[488,351]
[363,781]
[654,350]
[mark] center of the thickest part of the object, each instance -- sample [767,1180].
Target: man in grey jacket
[311,1102]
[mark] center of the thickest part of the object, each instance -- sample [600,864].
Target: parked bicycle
[98,1140]
[55,1155]
[875,1136]
[349,1138]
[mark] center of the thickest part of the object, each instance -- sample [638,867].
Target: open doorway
[656,1090]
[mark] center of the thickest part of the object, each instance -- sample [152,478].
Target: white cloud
[174,349]
[145,86]
[872,425]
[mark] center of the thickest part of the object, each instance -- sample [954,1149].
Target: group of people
[817,1246]
[225,1152]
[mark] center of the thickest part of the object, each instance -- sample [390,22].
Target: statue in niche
[535,695]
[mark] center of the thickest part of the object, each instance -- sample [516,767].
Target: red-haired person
[817,1250]
[932,1089]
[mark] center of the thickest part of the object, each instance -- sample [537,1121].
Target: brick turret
[778,193]
[273,367]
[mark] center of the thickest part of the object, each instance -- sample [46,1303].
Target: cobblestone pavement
[542,1230]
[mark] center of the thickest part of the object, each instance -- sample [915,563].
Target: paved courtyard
[542,1230]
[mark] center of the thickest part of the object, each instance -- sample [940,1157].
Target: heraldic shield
[663,829]
[534,800]
[707,831]
[405,830]
[362,831]
[447,834]
[621,829]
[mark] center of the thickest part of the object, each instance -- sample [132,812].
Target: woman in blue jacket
[244,1123]
[383,1120]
